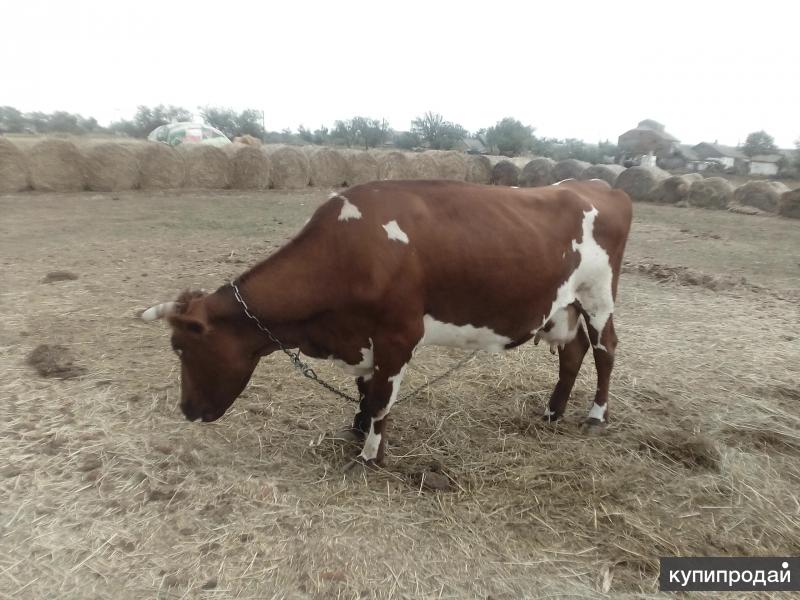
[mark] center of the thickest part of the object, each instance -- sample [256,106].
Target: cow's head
[217,356]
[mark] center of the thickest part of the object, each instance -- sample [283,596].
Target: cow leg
[361,423]
[570,357]
[604,345]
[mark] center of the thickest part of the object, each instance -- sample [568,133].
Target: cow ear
[189,324]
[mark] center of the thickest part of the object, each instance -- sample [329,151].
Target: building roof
[658,132]
[767,158]
[722,150]
[688,152]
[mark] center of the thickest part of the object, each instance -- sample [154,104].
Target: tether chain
[307,371]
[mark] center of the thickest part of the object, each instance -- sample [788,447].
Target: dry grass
[107,491]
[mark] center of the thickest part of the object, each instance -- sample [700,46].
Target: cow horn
[159,311]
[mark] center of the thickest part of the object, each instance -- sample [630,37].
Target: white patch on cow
[349,211]
[514,187]
[395,233]
[589,283]
[548,412]
[333,195]
[598,412]
[373,441]
[565,327]
[363,368]
[596,179]
[563,180]
[438,333]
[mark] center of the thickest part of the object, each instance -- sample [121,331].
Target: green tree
[440,134]
[759,142]
[510,137]
[11,120]
[407,140]
[360,131]
[233,124]
[148,118]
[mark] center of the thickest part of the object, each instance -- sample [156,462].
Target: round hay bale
[423,166]
[249,166]
[56,166]
[248,139]
[674,189]
[764,195]
[569,168]
[789,206]
[361,167]
[505,172]
[479,168]
[538,172]
[640,182]
[13,168]
[393,165]
[327,167]
[607,173]
[111,167]
[207,167]
[713,192]
[452,164]
[161,167]
[290,168]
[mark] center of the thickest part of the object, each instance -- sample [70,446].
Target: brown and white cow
[385,267]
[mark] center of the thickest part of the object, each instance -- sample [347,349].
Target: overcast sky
[591,70]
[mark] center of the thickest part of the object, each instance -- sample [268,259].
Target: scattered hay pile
[479,168]
[111,167]
[505,172]
[54,361]
[714,192]
[537,172]
[207,167]
[249,166]
[327,167]
[423,166]
[569,169]
[361,167]
[607,173]
[247,139]
[640,182]
[393,165]
[290,168]
[56,166]
[13,168]
[452,164]
[161,167]
[763,195]
[674,189]
[789,205]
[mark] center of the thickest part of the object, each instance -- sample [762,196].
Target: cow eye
[178,351]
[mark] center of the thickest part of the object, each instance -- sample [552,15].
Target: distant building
[647,138]
[471,145]
[728,157]
[765,164]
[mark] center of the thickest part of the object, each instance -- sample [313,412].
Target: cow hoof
[592,426]
[551,419]
[349,435]
[358,467]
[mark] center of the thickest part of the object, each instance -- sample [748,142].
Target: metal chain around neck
[307,371]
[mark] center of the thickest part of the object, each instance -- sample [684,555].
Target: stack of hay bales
[569,168]
[537,172]
[207,167]
[361,167]
[505,172]
[290,169]
[248,140]
[607,173]
[423,166]
[714,192]
[789,205]
[452,164]
[56,166]
[393,165]
[763,195]
[249,166]
[13,168]
[479,168]
[640,182]
[111,167]
[327,167]
[161,167]
[674,189]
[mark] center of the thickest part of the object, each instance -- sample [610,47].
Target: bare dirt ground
[107,492]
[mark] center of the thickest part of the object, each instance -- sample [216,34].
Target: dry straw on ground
[569,168]
[607,173]
[161,167]
[13,168]
[537,172]
[207,166]
[764,195]
[423,166]
[393,165]
[327,167]
[452,164]
[790,204]
[361,167]
[111,167]
[290,168]
[713,192]
[56,166]
[640,182]
[479,168]
[249,166]
[674,189]
[505,172]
